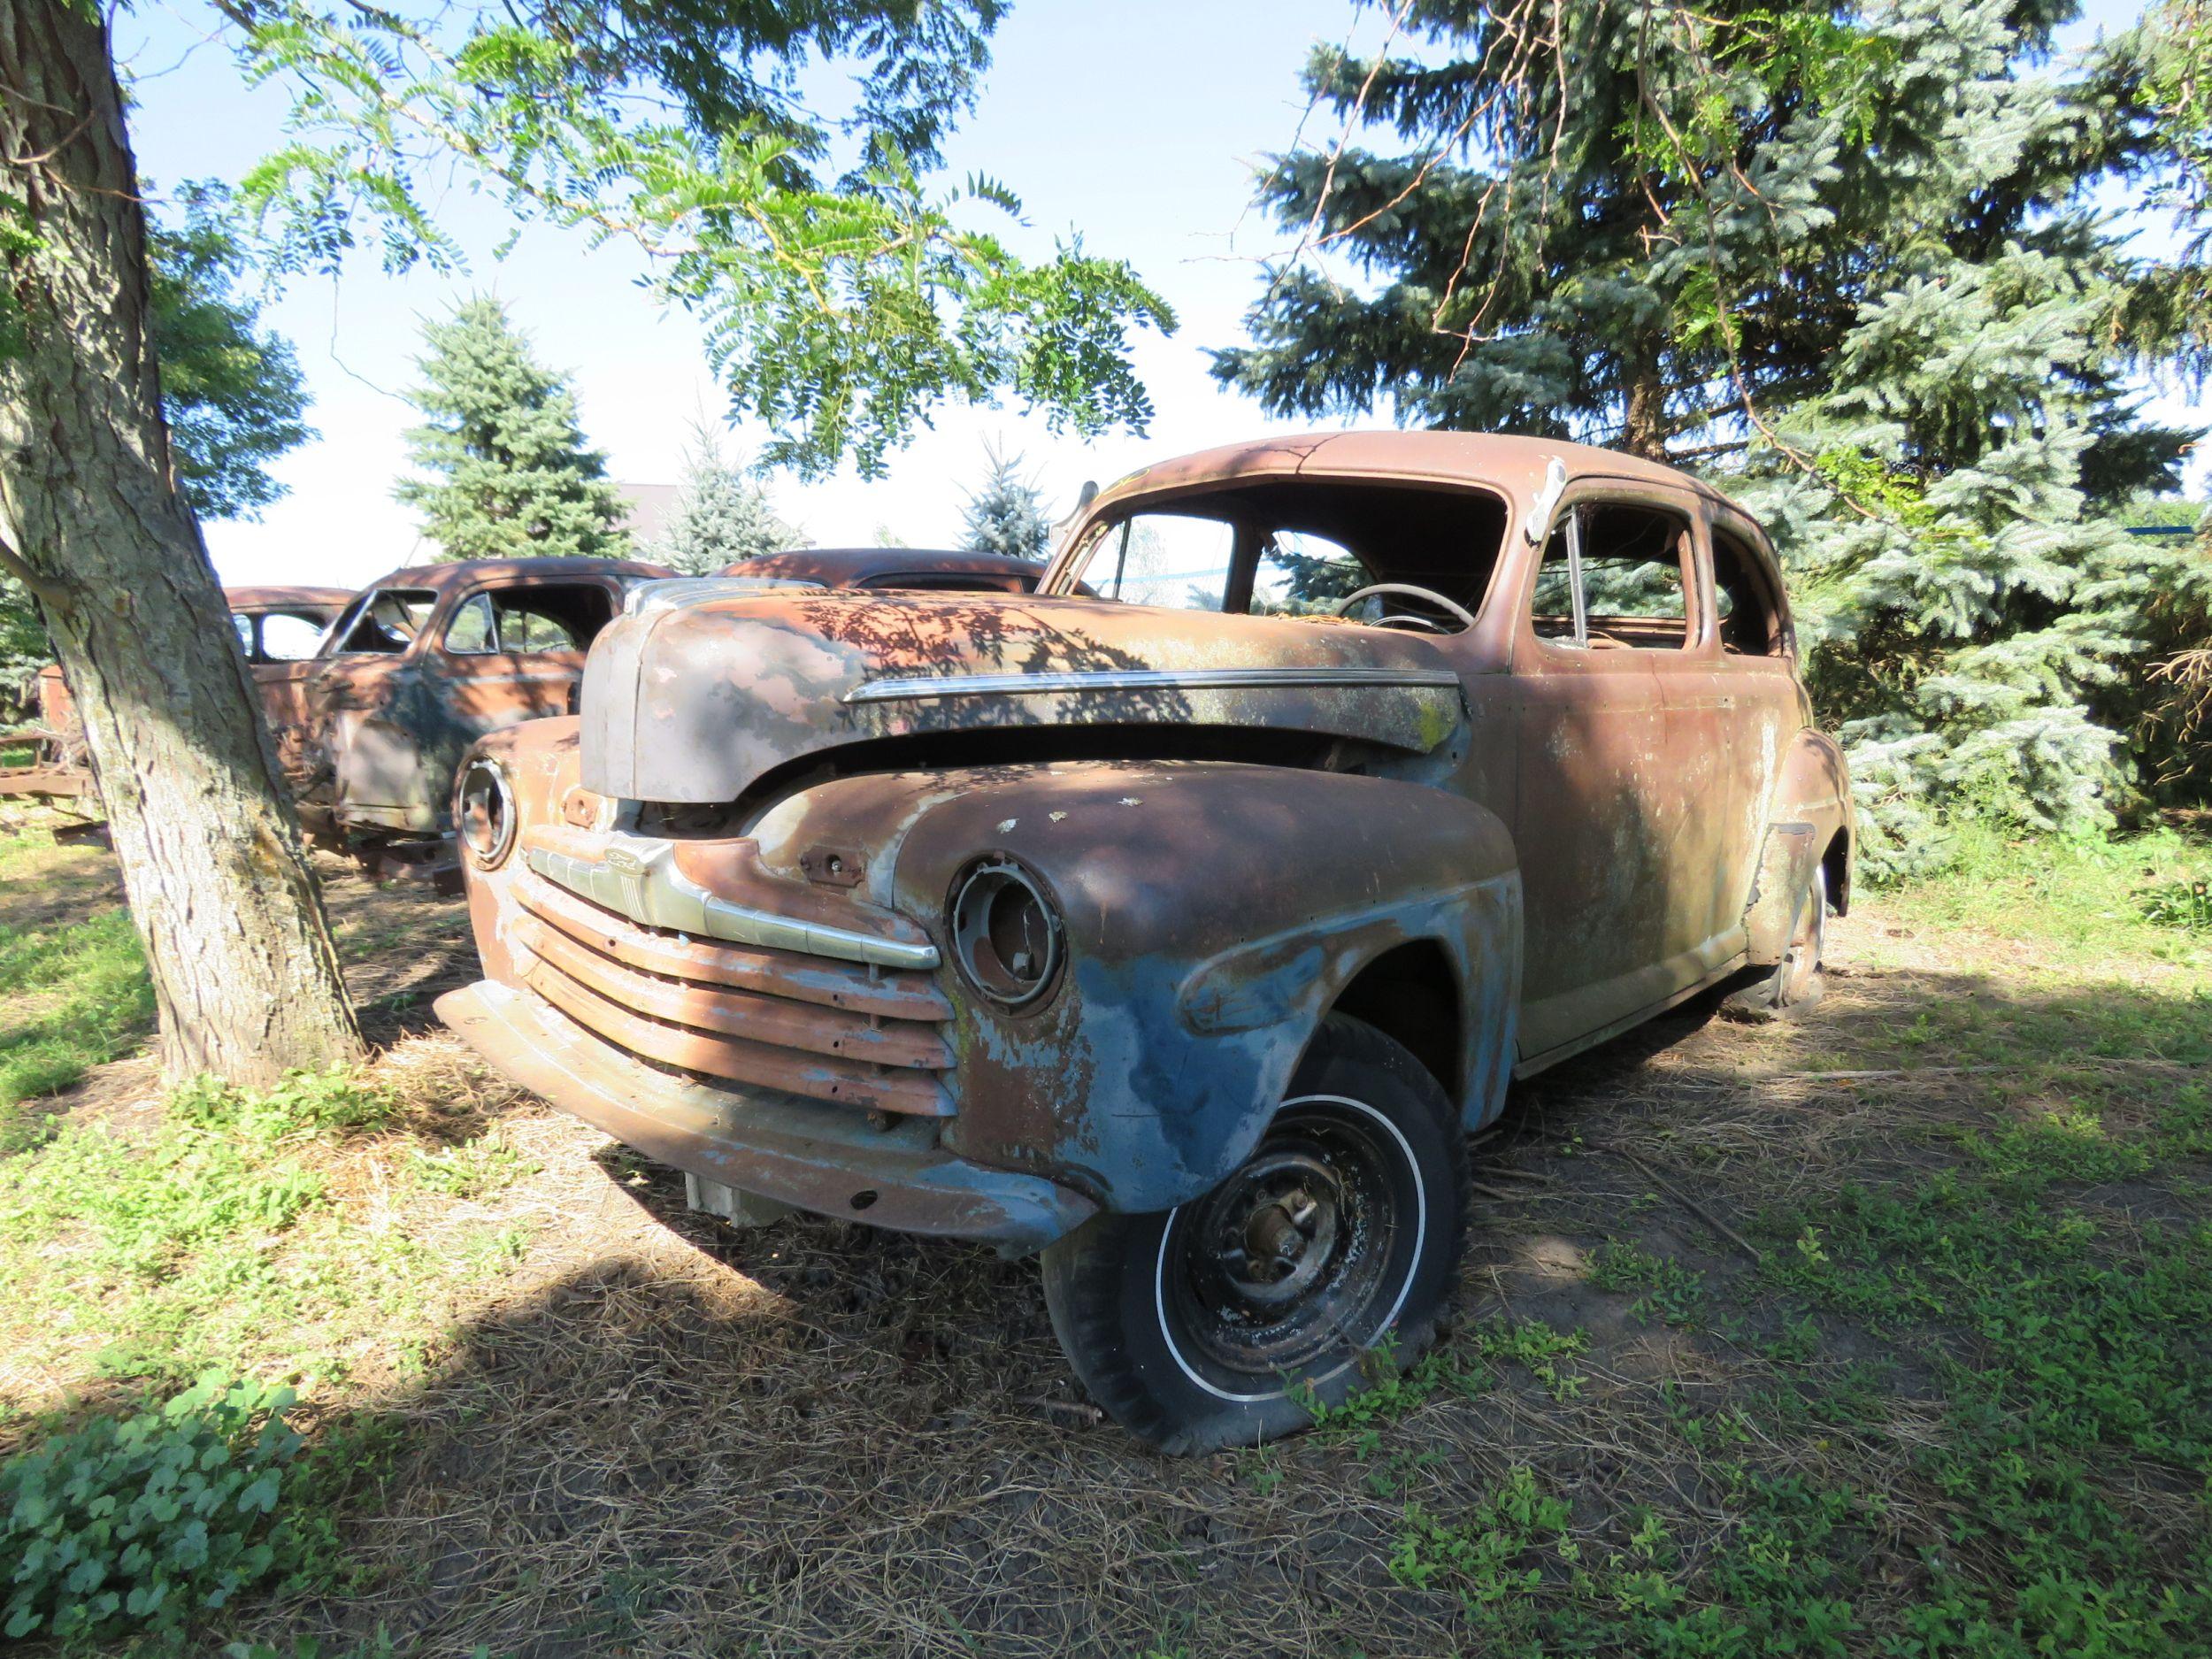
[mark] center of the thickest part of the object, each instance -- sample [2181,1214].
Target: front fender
[1211,915]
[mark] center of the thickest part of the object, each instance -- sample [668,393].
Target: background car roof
[331,599]
[850,566]
[459,572]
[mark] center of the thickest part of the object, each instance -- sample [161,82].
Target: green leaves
[841,314]
[141,1521]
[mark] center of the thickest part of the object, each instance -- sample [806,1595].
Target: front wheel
[1224,1321]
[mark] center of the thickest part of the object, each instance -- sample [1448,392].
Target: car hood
[694,700]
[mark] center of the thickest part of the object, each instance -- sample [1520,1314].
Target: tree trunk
[1644,430]
[244,972]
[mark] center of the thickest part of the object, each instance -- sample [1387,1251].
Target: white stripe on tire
[1420,1238]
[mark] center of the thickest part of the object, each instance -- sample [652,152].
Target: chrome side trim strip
[638,878]
[1351,678]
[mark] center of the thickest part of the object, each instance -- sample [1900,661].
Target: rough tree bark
[244,971]
[1644,428]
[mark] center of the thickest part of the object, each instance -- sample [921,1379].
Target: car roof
[331,599]
[1512,464]
[451,573]
[852,566]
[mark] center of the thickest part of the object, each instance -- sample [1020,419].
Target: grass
[74,993]
[1887,1332]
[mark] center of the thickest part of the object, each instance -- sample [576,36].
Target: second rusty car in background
[423,663]
[1178,920]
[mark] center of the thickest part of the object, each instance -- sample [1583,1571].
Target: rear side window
[289,636]
[1750,611]
[1612,577]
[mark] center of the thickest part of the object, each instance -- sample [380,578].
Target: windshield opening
[1300,547]
[384,621]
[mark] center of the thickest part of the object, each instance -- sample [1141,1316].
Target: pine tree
[509,476]
[1007,515]
[721,515]
[1839,259]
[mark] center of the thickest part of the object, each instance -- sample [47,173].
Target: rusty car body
[277,625]
[1178,920]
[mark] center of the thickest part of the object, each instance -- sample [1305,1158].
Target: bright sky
[1140,122]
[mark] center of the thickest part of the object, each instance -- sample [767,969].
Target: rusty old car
[1178,921]
[371,728]
[276,627]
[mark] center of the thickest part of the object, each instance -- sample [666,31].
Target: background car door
[1610,785]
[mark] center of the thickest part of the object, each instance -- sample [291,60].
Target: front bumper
[823,1158]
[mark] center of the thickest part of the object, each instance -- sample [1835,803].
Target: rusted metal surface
[61,771]
[1090,874]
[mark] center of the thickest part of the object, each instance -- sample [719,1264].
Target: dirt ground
[656,1436]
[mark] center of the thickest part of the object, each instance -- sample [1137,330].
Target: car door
[514,651]
[1606,694]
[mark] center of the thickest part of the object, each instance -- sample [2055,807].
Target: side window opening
[1612,578]
[288,636]
[529,620]
[247,643]
[553,618]
[1750,617]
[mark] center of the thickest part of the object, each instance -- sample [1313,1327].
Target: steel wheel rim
[1243,1330]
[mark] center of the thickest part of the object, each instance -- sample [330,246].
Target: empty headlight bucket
[1005,931]
[484,812]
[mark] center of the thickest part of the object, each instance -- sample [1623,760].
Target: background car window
[1163,558]
[1301,573]
[243,622]
[288,636]
[472,632]
[384,622]
[1750,623]
[1632,588]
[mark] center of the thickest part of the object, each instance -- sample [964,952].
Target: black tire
[1170,1336]
[1794,984]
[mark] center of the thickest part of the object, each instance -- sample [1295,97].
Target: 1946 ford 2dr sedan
[1180,919]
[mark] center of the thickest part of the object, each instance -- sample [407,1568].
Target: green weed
[1672,1292]
[141,1522]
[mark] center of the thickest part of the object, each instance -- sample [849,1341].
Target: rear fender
[1211,915]
[1810,812]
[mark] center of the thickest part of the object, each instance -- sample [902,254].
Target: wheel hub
[1277,1227]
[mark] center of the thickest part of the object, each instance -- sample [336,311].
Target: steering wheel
[1449,607]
